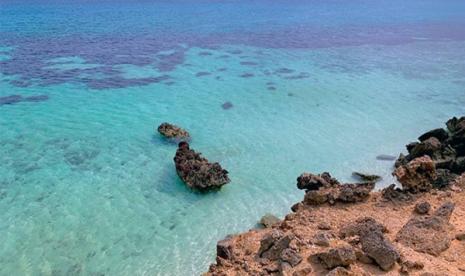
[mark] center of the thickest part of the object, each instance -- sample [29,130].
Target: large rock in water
[173,132]
[429,234]
[196,171]
[417,175]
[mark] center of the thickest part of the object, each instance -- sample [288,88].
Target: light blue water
[88,188]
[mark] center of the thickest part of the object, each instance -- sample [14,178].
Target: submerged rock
[366,177]
[429,234]
[12,99]
[35,99]
[173,132]
[196,171]
[386,157]
[417,175]
[269,220]
[227,105]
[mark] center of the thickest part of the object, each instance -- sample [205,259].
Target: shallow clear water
[88,188]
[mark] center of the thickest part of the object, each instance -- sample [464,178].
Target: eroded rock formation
[173,132]
[323,188]
[445,148]
[196,171]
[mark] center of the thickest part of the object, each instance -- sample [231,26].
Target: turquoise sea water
[87,187]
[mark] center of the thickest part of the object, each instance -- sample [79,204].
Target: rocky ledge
[349,229]
[173,132]
[196,171]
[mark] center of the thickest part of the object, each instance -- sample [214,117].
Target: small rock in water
[197,172]
[366,177]
[386,157]
[227,105]
[173,132]
[269,220]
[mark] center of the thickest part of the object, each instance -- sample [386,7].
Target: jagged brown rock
[273,244]
[173,132]
[339,256]
[417,175]
[429,234]
[310,182]
[325,189]
[373,242]
[446,148]
[322,239]
[422,207]
[393,193]
[224,248]
[196,171]
[438,133]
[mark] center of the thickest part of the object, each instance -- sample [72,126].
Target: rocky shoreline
[349,229]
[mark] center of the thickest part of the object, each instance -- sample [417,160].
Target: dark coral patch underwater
[14,99]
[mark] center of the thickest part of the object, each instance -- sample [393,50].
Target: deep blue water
[87,187]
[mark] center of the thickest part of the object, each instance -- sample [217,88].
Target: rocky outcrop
[173,132]
[417,175]
[393,193]
[446,148]
[323,188]
[394,232]
[273,244]
[196,171]
[429,234]
[224,248]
